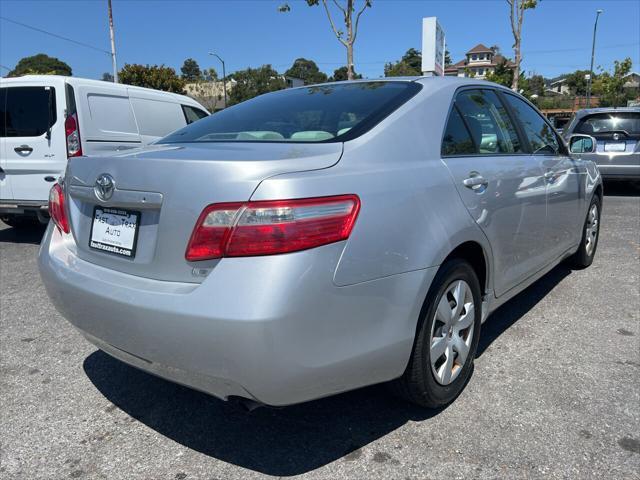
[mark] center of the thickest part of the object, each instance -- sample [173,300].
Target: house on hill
[478,62]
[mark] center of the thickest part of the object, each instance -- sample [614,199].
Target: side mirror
[582,144]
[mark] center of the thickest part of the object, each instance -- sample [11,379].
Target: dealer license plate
[115,230]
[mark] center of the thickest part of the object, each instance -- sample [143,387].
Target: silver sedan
[320,239]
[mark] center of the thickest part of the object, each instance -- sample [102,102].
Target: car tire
[425,381]
[590,235]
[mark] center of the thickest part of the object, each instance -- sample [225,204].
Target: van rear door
[33,142]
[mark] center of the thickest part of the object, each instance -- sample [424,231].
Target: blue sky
[557,35]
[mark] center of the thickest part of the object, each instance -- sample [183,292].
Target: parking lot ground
[555,393]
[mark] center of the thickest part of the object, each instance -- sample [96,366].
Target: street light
[593,49]
[224,77]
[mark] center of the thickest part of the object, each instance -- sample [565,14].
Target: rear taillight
[72,132]
[57,208]
[271,227]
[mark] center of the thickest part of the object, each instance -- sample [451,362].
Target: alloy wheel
[452,332]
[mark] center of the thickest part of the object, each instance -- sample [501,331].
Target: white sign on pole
[433,47]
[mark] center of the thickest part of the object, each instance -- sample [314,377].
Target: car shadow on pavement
[27,234]
[280,442]
[620,188]
[512,311]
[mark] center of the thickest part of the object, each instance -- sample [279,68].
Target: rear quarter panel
[411,215]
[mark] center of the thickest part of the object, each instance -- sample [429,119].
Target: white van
[44,119]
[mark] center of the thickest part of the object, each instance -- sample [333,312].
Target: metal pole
[224,77]
[113,44]
[593,50]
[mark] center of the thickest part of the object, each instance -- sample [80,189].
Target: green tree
[191,71]
[107,77]
[536,85]
[610,87]
[209,75]
[342,73]
[306,70]
[40,64]
[409,64]
[447,58]
[516,16]
[158,77]
[253,82]
[351,19]
[577,82]
[502,74]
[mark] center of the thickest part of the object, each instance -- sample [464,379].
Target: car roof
[77,81]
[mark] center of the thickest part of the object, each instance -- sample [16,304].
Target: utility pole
[593,50]
[113,44]
[224,76]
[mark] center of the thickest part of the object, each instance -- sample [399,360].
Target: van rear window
[315,114]
[27,111]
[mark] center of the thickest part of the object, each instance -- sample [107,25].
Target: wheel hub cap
[452,332]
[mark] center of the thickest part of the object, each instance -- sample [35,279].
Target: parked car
[617,133]
[271,254]
[44,119]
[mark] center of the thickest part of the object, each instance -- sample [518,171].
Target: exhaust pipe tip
[245,404]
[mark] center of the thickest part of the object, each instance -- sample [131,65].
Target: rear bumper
[273,329]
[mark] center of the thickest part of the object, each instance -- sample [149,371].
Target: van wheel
[590,234]
[447,338]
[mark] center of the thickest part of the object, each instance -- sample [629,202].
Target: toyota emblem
[104,187]
[616,136]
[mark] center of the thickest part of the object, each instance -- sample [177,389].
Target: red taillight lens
[57,208]
[72,133]
[271,227]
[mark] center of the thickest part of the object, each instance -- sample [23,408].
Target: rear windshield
[601,123]
[322,113]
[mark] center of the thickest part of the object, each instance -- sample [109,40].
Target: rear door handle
[23,149]
[475,182]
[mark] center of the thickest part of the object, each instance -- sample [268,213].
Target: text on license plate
[614,147]
[115,231]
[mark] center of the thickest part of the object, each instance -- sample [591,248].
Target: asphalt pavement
[555,393]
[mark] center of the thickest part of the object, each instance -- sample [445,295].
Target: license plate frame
[615,147]
[126,249]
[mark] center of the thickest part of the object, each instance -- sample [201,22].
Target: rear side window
[27,111]
[488,122]
[322,113]
[457,139]
[607,123]
[541,136]
[192,114]
[157,118]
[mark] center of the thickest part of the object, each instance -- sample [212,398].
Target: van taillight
[57,208]
[271,227]
[72,132]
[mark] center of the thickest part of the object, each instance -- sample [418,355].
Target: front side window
[488,122]
[27,111]
[541,136]
[321,113]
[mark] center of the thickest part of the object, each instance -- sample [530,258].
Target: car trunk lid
[162,189]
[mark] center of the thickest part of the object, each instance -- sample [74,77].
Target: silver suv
[320,239]
[617,134]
